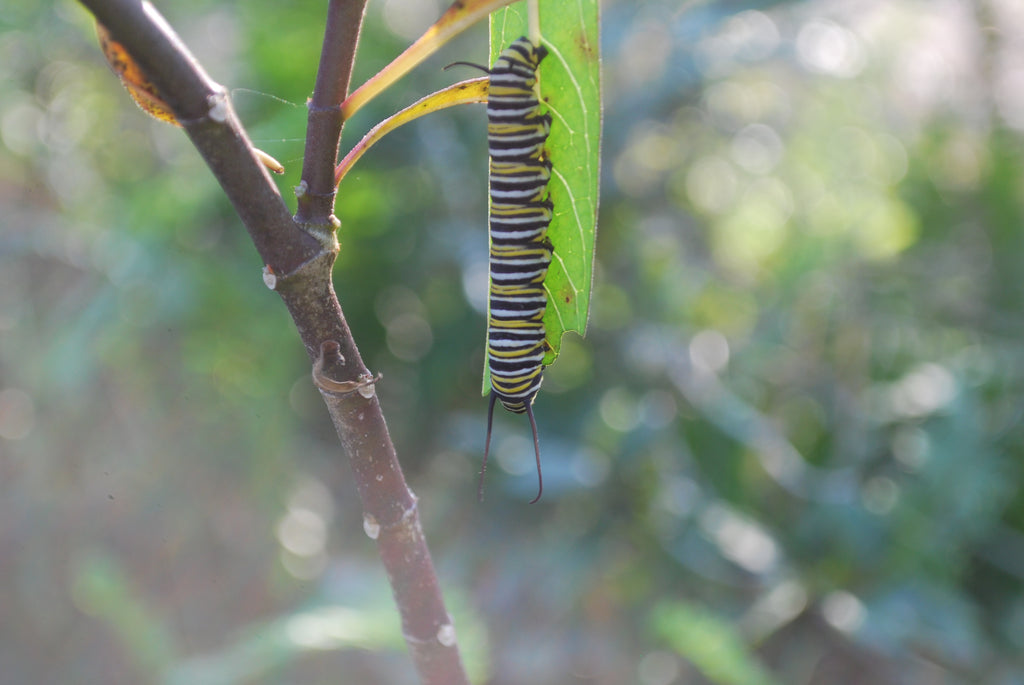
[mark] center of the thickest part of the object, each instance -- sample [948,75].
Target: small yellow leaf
[133,79]
[460,16]
[268,161]
[463,93]
[145,93]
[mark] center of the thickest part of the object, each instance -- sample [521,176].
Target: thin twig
[323,131]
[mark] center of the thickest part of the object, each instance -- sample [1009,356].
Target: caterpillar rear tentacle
[487,449]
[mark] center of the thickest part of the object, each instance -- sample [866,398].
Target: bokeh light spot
[326,628]
[827,48]
[780,605]
[731,105]
[475,280]
[515,454]
[678,495]
[618,409]
[709,350]
[926,389]
[19,128]
[757,148]
[880,495]
[651,151]
[590,467]
[658,409]
[711,184]
[409,18]
[739,539]
[658,668]
[886,229]
[748,36]
[302,532]
[644,53]
[751,234]
[910,448]
[409,337]
[843,611]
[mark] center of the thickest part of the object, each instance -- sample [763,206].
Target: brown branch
[299,255]
[192,94]
[323,131]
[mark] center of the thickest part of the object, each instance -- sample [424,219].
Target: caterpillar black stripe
[520,251]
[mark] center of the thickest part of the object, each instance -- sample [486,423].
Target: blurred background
[789,450]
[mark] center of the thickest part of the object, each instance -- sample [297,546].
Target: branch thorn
[269,277]
[218,103]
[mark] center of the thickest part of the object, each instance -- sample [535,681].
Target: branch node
[218,106]
[302,190]
[269,277]
[368,386]
[323,196]
[316,267]
[371,527]
[218,103]
[325,231]
[330,355]
[322,109]
[414,640]
[446,635]
[408,515]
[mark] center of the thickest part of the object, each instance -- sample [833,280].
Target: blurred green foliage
[790,445]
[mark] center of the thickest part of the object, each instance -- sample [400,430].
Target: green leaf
[710,643]
[276,643]
[570,87]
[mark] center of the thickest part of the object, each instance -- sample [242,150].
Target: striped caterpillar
[520,251]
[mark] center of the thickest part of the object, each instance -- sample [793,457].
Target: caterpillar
[520,251]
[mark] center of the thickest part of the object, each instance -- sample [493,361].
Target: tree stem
[323,132]
[300,253]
